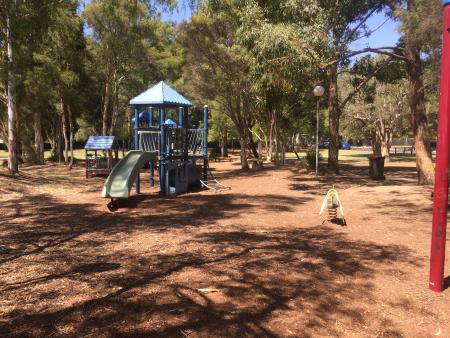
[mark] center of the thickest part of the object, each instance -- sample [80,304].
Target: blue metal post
[152,165]
[180,117]
[205,143]
[186,117]
[186,127]
[136,144]
[150,117]
[162,151]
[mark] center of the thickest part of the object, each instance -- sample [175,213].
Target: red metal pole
[437,259]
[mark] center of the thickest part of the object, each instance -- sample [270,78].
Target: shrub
[309,160]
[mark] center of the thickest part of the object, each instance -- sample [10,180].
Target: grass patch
[403,158]
[344,155]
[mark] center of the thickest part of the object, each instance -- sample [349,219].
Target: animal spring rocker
[332,203]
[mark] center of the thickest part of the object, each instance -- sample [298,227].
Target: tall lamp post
[318,92]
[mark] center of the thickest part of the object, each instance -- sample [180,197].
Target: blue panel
[446,2]
[144,116]
[161,94]
[101,143]
[170,122]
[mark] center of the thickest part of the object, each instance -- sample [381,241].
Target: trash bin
[376,167]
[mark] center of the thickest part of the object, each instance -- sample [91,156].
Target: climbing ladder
[213,184]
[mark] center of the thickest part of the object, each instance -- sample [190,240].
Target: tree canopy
[67,71]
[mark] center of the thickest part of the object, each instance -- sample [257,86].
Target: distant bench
[403,150]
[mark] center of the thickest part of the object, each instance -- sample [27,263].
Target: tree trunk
[282,151]
[274,141]
[242,141]
[385,148]
[334,116]
[70,136]
[253,146]
[38,139]
[223,144]
[13,160]
[424,163]
[383,138]
[270,150]
[65,132]
[266,144]
[115,109]
[105,115]
[53,146]
[376,144]
[386,142]
[53,137]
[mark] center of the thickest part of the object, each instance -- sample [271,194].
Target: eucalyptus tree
[9,22]
[316,35]
[217,66]
[420,28]
[122,32]
[22,24]
[280,75]
[340,23]
[421,31]
[54,79]
[379,113]
[221,127]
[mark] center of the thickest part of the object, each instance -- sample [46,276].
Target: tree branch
[359,25]
[392,5]
[389,51]
[361,85]
[369,33]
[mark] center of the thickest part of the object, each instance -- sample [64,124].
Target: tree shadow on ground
[55,175]
[36,222]
[350,176]
[447,282]
[67,269]
[238,173]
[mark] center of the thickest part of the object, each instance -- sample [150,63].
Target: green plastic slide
[122,177]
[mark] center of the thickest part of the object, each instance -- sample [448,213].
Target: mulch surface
[255,261]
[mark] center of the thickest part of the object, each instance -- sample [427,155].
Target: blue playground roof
[161,94]
[101,143]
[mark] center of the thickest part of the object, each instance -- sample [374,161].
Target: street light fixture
[318,92]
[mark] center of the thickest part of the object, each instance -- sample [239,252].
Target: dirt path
[252,262]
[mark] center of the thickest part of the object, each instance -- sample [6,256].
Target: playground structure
[440,202]
[180,153]
[101,165]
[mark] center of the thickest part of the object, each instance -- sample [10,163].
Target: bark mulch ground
[255,261]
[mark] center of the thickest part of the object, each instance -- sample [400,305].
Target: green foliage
[308,161]
[383,99]
[130,48]
[254,62]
